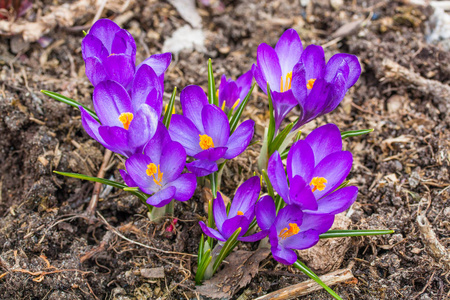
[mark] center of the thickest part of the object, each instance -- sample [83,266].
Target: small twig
[309,286]
[426,285]
[431,242]
[90,211]
[115,231]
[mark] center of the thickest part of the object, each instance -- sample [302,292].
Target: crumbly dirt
[49,250]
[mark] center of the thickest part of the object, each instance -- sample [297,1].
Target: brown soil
[401,168]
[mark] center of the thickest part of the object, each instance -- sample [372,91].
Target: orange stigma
[287,84]
[285,232]
[126,119]
[318,183]
[240,213]
[206,142]
[310,84]
[152,171]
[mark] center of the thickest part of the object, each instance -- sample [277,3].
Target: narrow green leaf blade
[271,131]
[349,233]
[350,133]
[95,179]
[202,265]
[268,184]
[237,115]
[212,99]
[302,267]
[71,102]
[280,139]
[168,113]
[226,249]
[200,248]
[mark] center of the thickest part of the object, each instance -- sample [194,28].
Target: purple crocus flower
[231,93]
[291,229]
[204,131]
[275,66]
[158,171]
[315,168]
[241,214]
[320,87]
[127,123]
[109,53]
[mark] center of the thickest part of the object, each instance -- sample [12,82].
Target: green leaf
[268,184]
[237,115]
[347,233]
[202,267]
[85,33]
[131,189]
[280,139]
[212,99]
[302,267]
[279,203]
[168,113]
[285,152]
[271,131]
[200,248]
[350,133]
[70,102]
[226,249]
[343,185]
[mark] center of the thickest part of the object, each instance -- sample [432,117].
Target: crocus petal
[219,211]
[260,78]
[323,141]
[157,143]
[120,68]
[284,255]
[162,197]
[265,212]
[246,196]
[315,101]
[244,82]
[91,126]
[334,168]
[277,176]
[254,237]
[105,30]
[319,223]
[313,58]
[185,186]
[111,100]
[192,99]
[300,194]
[116,139]
[146,89]
[231,225]
[302,240]
[337,201]
[240,139]
[95,71]
[283,103]
[211,232]
[215,124]
[289,48]
[300,161]
[143,127]
[93,47]
[211,154]
[127,179]
[269,66]
[228,92]
[137,167]
[158,62]
[173,160]
[337,61]
[299,83]
[183,131]
[336,93]
[286,215]
[124,43]
[202,167]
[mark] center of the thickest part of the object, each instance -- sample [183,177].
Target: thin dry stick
[309,286]
[90,211]
[115,231]
[431,242]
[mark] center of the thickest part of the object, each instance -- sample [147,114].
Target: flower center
[153,171]
[285,232]
[206,141]
[318,183]
[287,83]
[126,119]
[240,213]
[310,83]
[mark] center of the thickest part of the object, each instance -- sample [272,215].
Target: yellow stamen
[285,232]
[236,104]
[240,213]
[126,119]
[217,93]
[287,84]
[152,171]
[310,83]
[165,109]
[223,106]
[318,183]
[206,142]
